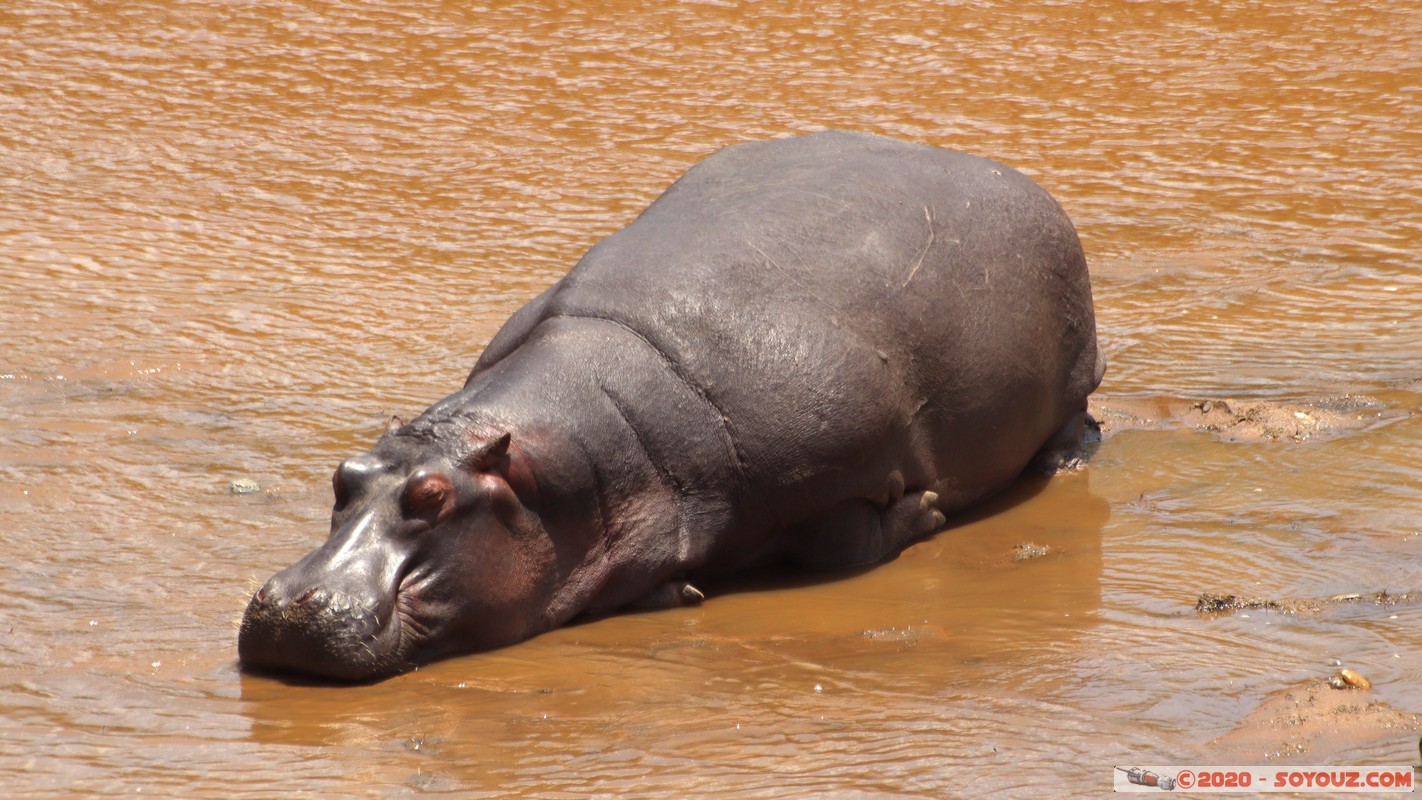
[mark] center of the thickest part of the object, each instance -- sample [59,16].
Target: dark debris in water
[1029,550]
[906,636]
[244,486]
[1210,603]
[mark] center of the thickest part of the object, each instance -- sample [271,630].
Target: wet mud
[1313,719]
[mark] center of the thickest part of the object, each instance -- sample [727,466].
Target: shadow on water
[786,576]
[960,614]
[773,577]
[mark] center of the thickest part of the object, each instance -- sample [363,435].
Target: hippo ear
[488,453]
[393,425]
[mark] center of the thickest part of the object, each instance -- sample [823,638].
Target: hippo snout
[293,626]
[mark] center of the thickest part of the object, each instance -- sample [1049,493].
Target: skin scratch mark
[927,215]
[798,280]
[831,199]
[772,262]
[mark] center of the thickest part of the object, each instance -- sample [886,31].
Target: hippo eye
[425,495]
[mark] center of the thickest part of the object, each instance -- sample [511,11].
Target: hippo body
[806,350]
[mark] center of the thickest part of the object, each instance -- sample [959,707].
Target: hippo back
[847,304]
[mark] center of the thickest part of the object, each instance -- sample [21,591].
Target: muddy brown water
[235,237]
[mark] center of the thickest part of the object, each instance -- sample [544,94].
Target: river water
[236,236]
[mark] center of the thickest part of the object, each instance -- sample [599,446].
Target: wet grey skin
[807,351]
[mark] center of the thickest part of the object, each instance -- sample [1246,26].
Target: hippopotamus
[807,351]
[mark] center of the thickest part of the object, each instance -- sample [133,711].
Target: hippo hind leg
[860,532]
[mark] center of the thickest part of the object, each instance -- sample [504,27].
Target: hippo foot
[1047,467]
[913,517]
[859,533]
[1065,451]
[930,517]
[672,594]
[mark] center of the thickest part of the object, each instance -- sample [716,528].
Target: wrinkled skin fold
[807,350]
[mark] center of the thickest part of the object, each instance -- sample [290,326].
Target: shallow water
[236,237]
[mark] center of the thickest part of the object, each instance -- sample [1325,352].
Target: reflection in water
[757,685]
[235,238]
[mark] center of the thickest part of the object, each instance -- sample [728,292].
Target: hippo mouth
[326,633]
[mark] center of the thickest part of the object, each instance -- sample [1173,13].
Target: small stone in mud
[244,486]
[1348,679]
[1028,550]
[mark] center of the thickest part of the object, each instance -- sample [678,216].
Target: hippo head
[432,551]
